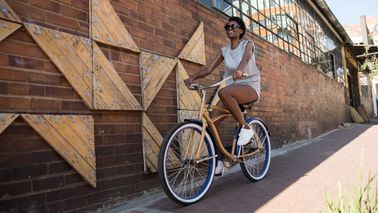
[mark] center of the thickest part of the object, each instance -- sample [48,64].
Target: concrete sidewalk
[298,180]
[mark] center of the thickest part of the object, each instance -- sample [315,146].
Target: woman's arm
[206,70]
[238,74]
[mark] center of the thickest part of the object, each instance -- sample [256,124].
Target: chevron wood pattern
[154,70]
[72,136]
[7,28]
[194,50]
[110,91]
[6,119]
[7,13]
[107,27]
[187,99]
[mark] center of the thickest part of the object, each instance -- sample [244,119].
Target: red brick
[81,4]
[14,103]
[44,78]
[29,172]
[74,106]
[74,13]
[62,21]
[48,183]
[24,62]
[45,105]
[26,89]
[46,4]
[25,10]
[17,188]
[4,88]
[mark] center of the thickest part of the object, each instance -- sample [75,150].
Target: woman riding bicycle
[239,58]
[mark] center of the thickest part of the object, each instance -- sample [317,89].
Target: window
[290,25]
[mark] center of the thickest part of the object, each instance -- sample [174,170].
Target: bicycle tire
[191,181]
[255,167]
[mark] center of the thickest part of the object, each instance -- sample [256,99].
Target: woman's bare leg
[232,96]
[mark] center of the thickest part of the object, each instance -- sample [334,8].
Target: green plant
[370,64]
[364,200]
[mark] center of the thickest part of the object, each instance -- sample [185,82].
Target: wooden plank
[186,114]
[108,27]
[7,28]
[110,91]
[187,99]
[155,70]
[194,50]
[152,141]
[71,146]
[6,119]
[7,13]
[71,54]
[216,97]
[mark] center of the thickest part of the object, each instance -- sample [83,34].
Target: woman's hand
[237,75]
[188,81]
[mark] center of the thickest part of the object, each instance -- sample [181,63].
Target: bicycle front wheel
[184,175]
[256,166]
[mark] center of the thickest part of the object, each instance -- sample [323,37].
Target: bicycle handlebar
[201,87]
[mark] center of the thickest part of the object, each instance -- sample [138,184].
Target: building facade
[80,122]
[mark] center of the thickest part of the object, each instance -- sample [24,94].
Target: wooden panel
[7,28]
[108,28]
[216,97]
[194,50]
[72,136]
[186,114]
[110,91]
[154,70]
[71,54]
[5,120]
[187,99]
[152,141]
[7,13]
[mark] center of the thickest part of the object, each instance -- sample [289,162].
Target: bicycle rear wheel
[185,179]
[256,166]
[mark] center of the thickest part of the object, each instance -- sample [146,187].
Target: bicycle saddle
[246,106]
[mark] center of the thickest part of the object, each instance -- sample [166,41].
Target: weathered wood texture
[7,13]
[152,141]
[216,97]
[183,114]
[71,136]
[194,50]
[187,99]
[71,54]
[7,28]
[108,28]
[110,91]
[154,70]
[6,119]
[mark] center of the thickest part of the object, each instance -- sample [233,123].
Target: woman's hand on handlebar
[238,75]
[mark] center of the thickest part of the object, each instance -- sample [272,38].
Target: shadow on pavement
[234,193]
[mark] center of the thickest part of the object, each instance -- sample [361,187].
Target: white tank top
[232,59]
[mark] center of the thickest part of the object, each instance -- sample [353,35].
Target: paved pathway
[298,179]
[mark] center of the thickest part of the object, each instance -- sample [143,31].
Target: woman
[238,57]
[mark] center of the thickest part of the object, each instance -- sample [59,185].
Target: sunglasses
[231,26]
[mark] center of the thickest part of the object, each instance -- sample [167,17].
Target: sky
[348,12]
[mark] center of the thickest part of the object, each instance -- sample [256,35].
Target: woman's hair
[241,24]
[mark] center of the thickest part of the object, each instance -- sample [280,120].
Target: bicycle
[187,157]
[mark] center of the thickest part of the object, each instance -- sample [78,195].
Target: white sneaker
[219,170]
[245,136]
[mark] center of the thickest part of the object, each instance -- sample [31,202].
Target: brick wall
[297,101]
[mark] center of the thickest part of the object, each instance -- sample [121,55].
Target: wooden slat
[71,54]
[5,120]
[186,114]
[70,136]
[216,97]
[108,27]
[152,141]
[194,50]
[187,99]
[7,28]
[7,13]
[155,70]
[110,91]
